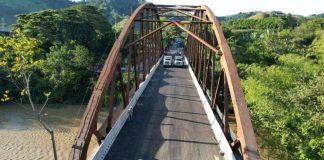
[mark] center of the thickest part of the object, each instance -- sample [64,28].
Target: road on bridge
[169,122]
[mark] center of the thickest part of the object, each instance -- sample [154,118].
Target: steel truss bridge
[168,113]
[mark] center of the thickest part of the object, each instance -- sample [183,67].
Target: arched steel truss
[138,48]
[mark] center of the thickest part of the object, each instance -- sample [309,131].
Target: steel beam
[165,21]
[218,89]
[122,85]
[226,105]
[82,140]
[196,54]
[242,116]
[155,14]
[178,8]
[111,105]
[145,36]
[190,15]
[196,37]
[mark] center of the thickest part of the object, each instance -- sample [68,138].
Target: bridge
[198,112]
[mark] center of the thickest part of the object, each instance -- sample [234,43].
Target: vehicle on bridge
[178,61]
[167,61]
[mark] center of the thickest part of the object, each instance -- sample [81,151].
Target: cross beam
[196,37]
[156,30]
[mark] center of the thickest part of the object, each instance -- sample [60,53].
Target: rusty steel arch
[245,140]
[107,78]
[139,46]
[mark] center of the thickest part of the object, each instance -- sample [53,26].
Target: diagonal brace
[156,30]
[196,37]
[190,15]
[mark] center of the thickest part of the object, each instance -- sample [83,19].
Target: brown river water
[22,136]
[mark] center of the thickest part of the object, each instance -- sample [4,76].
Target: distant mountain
[10,8]
[237,16]
[316,15]
[116,10]
[253,15]
[259,15]
[261,20]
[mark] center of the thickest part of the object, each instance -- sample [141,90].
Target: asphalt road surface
[169,122]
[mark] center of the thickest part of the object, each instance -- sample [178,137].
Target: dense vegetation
[116,10]
[10,8]
[249,15]
[57,49]
[281,61]
[112,9]
[67,45]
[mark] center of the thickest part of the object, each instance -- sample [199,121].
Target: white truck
[178,61]
[167,61]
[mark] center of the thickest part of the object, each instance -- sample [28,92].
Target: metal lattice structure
[139,46]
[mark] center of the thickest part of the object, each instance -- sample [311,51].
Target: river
[22,136]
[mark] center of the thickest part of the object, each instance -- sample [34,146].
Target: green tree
[79,33]
[19,61]
[286,102]
[68,69]
[120,25]
[282,71]
[113,9]
[83,24]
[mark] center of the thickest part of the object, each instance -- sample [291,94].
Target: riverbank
[22,137]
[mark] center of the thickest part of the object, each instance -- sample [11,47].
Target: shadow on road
[165,120]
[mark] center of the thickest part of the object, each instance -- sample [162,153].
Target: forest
[61,49]
[110,8]
[280,59]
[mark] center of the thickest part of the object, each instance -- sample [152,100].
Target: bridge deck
[169,122]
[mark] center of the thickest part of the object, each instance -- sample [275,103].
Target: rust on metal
[190,15]
[242,116]
[165,21]
[111,105]
[145,51]
[145,36]
[88,123]
[226,106]
[196,37]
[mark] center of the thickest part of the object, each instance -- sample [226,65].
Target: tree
[83,24]
[282,75]
[68,68]
[113,10]
[286,102]
[120,25]
[18,59]
[80,28]
[19,62]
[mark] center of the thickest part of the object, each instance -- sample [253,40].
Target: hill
[253,15]
[9,9]
[259,15]
[317,15]
[116,10]
[236,16]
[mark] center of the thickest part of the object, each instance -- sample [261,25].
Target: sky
[229,7]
